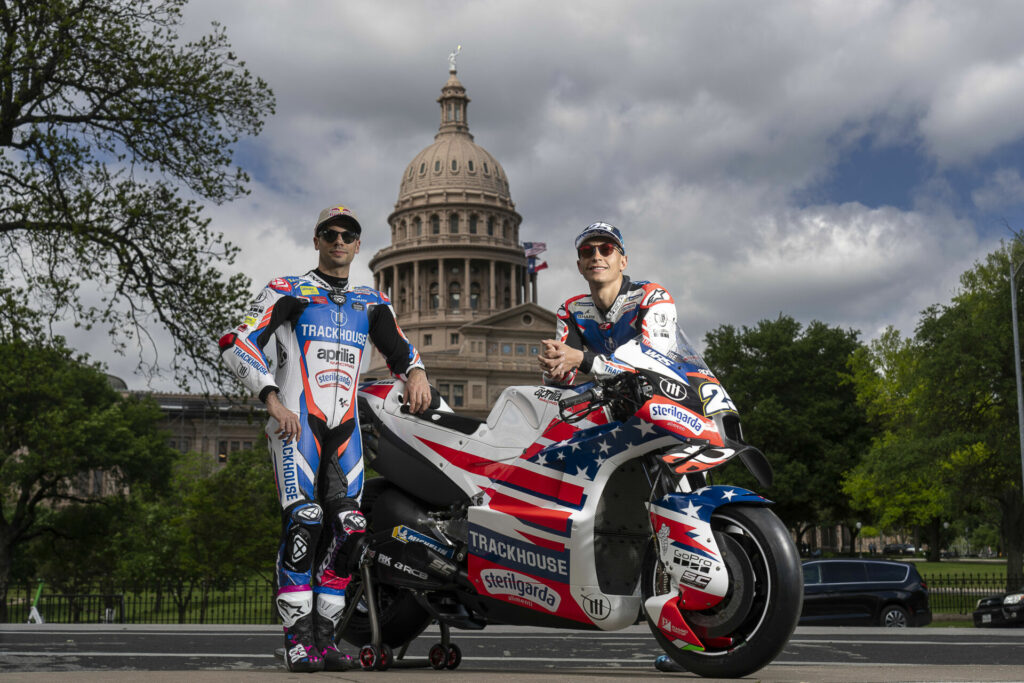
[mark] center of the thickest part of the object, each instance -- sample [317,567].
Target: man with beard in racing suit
[617,310]
[321,327]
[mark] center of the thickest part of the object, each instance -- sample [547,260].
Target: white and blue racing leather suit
[641,310]
[321,329]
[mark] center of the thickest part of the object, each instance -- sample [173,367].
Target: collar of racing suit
[334,282]
[617,304]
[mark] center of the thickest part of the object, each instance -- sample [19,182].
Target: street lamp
[858,539]
[1014,269]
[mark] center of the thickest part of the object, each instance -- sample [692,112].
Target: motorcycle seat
[460,423]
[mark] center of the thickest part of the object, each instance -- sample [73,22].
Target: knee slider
[303,522]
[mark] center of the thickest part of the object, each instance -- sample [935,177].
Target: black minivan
[864,593]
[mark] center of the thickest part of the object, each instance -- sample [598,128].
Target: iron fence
[238,602]
[959,593]
[252,602]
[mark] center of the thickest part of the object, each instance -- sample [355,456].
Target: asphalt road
[502,653]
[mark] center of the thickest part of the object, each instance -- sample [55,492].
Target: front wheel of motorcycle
[753,622]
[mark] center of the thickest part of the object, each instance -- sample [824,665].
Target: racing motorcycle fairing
[688,551]
[532,541]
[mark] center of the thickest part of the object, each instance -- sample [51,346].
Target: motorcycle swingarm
[688,551]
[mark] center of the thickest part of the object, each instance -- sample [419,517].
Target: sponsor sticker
[308,291]
[679,416]
[340,356]
[674,390]
[280,284]
[548,395]
[520,588]
[249,320]
[509,552]
[331,333]
[597,606]
[407,535]
[333,378]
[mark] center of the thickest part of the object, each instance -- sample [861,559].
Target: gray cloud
[691,125]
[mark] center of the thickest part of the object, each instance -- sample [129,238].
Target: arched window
[454,296]
[434,303]
[402,300]
[490,226]
[506,232]
[453,223]
[455,165]
[470,163]
[437,166]
[417,226]
[508,297]
[435,225]
[401,230]
[472,224]
[474,295]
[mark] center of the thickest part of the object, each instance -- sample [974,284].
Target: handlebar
[575,400]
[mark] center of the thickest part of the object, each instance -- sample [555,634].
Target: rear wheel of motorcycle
[401,617]
[762,606]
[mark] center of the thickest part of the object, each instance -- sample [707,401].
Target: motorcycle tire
[758,614]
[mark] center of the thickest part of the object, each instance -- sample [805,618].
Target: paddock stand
[377,655]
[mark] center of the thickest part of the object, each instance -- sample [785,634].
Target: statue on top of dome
[451,58]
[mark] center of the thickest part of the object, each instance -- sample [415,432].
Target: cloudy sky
[840,161]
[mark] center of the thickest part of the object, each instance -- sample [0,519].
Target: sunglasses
[331,236]
[604,248]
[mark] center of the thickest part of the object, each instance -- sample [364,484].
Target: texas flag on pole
[533,265]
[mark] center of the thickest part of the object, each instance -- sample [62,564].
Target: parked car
[898,549]
[864,593]
[1001,610]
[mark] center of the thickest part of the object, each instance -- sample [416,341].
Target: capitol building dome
[454,162]
[456,272]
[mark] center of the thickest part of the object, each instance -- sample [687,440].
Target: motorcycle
[587,507]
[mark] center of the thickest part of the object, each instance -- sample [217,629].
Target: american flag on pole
[534,248]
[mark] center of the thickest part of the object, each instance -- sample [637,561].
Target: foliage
[212,526]
[62,426]
[108,122]
[945,404]
[797,407]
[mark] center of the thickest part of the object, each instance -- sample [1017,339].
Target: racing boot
[329,608]
[300,653]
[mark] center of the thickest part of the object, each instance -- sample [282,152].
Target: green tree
[211,526]
[111,131]
[789,384]
[946,401]
[900,482]
[62,426]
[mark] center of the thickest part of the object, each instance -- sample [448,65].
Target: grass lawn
[992,568]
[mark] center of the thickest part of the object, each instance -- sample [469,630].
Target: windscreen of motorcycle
[678,357]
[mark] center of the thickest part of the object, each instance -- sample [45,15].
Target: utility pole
[1014,270]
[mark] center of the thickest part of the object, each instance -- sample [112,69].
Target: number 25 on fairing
[715,399]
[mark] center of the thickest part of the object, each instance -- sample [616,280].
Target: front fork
[688,551]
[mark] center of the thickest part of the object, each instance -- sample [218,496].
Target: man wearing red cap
[321,327]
